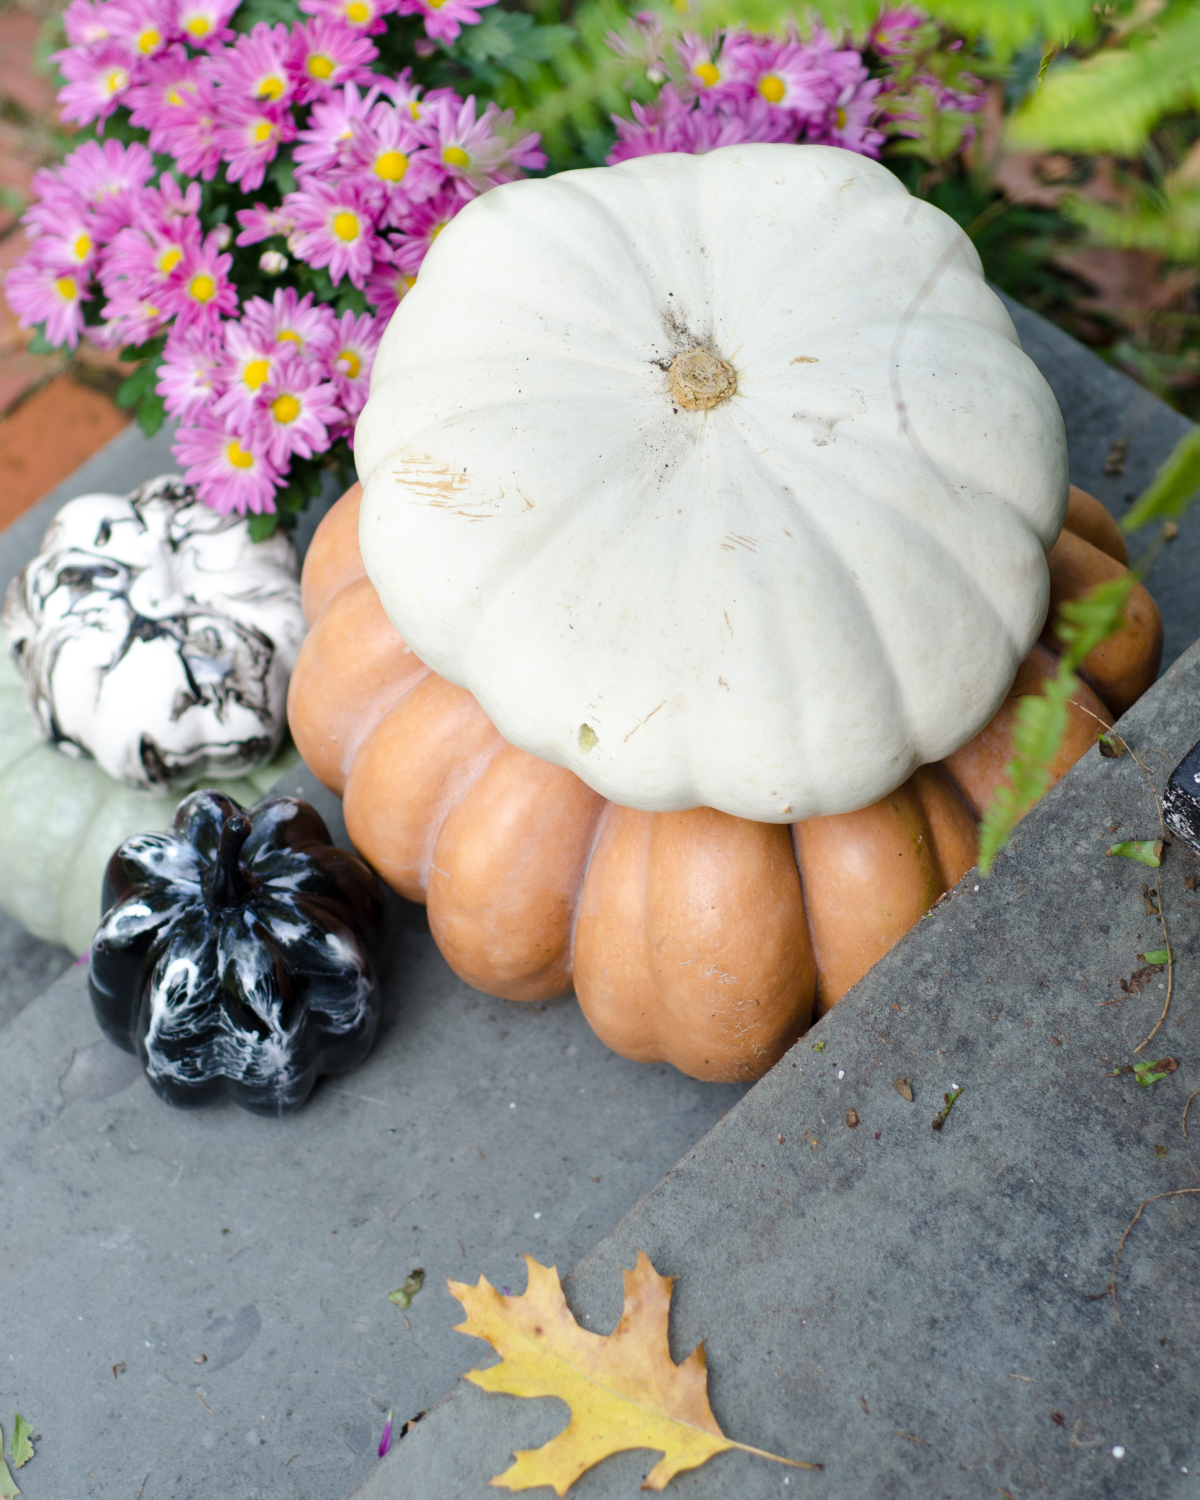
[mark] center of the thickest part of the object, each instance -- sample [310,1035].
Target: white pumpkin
[719,480]
[156,637]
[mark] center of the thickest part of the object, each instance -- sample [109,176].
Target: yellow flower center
[174,97]
[772,88]
[357,13]
[708,74]
[169,259]
[116,80]
[414,109]
[436,4]
[150,310]
[256,373]
[148,40]
[198,25]
[841,119]
[203,288]
[83,246]
[238,456]
[391,166]
[270,87]
[65,286]
[320,66]
[345,225]
[436,230]
[263,131]
[285,408]
[288,336]
[350,362]
[455,156]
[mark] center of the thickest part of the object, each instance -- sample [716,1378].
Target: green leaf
[1159,956]
[261,527]
[39,344]
[1145,851]
[818,1046]
[20,1449]
[9,1489]
[404,1294]
[1147,1073]
[151,414]
[1110,746]
[137,387]
[1173,488]
[1113,99]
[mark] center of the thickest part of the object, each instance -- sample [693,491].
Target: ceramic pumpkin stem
[231,881]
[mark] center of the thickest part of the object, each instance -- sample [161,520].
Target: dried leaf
[852,1118]
[1110,748]
[903,1088]
[412,1284]
[20,1449]
[1160,1152]
[1145,851]
[624,1389]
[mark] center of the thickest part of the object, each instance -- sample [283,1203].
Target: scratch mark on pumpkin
[733,539]
[804,359]
[726,613]
[640,722]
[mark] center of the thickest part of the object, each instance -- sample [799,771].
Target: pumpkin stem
[700,380]
[231,880]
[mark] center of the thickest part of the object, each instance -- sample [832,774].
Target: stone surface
[143,1237]
[889,1308]
[924,1312]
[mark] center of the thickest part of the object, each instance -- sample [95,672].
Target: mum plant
[256,186]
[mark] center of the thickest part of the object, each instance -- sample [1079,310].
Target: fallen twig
[1186,1107]
[1112,1285]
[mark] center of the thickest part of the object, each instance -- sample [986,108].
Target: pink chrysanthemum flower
[108,178]
[421,227]
[250,135]
[655,128]
[848,122]
[230,469]
[162,89]
[334,228]
[444,19]
[291,322]
[178,105]
[392,163]
[139,26]
[144,257]
[246,365]
[707,67]
[256,66]
[387,285]
[198,290]
[205,23]
[133,313]
[86,23]
[786,76]
[480,153]
[895,32]
[410,98]
[736,123]
[97,77]
[325,142]
[352,354]
[40,293]
[295,410]
[167,201]
[71,244]
[325,53]
[189,378]
[366,16]
[261,223]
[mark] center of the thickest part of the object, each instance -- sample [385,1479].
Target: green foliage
[138,389]
[1145,851]
[1041,721]
[1173,488]
[1112,100]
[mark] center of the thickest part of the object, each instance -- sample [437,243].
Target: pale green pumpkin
[62,819]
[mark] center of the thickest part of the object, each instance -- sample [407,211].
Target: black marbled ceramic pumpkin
[233,954]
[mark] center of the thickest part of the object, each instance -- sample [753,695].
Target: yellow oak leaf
[624,1389]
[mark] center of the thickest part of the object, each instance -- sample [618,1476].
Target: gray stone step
[479,1130]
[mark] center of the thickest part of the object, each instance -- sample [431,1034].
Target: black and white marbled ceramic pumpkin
[156,637]
[233,955]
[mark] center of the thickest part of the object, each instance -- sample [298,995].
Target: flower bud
[224,234]
[273,262]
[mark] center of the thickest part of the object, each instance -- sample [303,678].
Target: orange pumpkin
[695,937]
